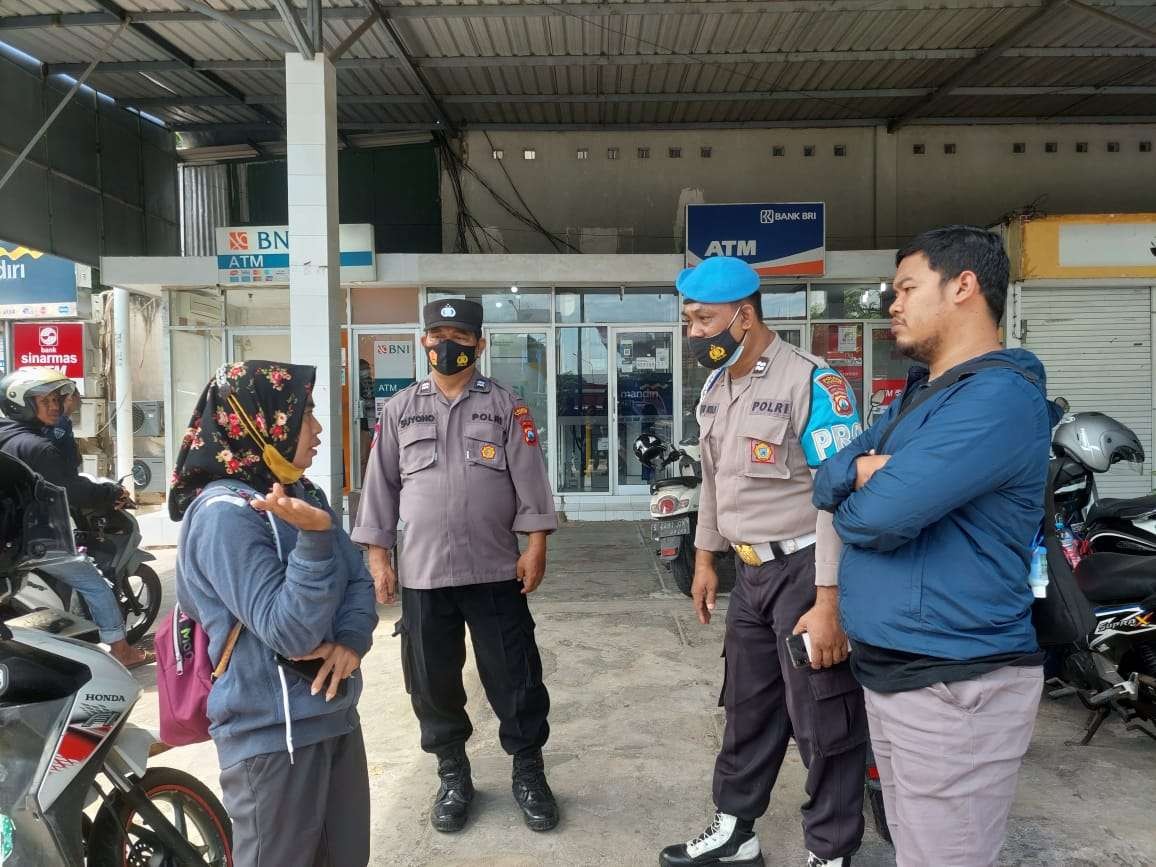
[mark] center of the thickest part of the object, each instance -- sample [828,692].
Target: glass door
[886,371]
[582,389]
[644,387]
[842,345]
[519,360]
[386,363]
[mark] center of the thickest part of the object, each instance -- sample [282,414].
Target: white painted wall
[878,195]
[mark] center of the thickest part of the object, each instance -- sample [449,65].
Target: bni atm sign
[259,255]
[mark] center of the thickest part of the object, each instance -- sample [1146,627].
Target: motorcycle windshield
[34,520]
[26,730]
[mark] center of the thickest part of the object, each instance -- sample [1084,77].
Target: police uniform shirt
[761,438]
[464,476]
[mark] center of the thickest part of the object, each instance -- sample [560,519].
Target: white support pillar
[316,303]
[123,377]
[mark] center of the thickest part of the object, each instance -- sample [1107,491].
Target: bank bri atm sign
[259,255]
[778,239]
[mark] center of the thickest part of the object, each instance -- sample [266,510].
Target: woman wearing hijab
[264,567]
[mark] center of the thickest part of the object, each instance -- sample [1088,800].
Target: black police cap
[454,311]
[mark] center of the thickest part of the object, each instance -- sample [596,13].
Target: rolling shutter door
[1096,346]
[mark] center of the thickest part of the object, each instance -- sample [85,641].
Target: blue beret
[718,280]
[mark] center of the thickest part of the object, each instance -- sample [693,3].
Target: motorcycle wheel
[140,602]
[878,813]
[682,567]
[185,801]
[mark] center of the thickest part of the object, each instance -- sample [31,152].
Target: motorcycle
[112,538]
[111,541]
[674,491]
[1113,669]
[77,789]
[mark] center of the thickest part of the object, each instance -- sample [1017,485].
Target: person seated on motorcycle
[33,401]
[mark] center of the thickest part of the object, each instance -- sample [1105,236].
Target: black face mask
[450,357]
[721,350]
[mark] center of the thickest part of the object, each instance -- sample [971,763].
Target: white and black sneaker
[724,842]
[814,860]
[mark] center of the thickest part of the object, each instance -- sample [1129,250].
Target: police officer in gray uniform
[457,459]
[769,415]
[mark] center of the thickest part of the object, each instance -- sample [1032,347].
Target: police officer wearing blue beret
[769,415]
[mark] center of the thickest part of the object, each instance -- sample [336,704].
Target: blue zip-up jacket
[937,545]
[292,590]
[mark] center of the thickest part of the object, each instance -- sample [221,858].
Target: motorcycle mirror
[1062,403]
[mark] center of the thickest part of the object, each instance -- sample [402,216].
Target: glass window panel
[645,391]
[842,346]
[848,301]
[502,305]
[518,361]
[384,306]
[785,301]
[269,346]
[583,410]
[613,305]
[257,306]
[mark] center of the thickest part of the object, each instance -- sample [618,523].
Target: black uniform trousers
[768,701]
[433,652]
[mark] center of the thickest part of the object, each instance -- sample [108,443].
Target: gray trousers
[949,756]
[768,701]
[312,813]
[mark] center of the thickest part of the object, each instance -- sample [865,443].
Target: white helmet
[20,388]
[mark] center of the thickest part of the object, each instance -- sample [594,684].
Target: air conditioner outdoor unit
[148,474]
[95,466]
[90,418]
[148,417]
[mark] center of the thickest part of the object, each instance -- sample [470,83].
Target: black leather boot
[451,809]
[532,792]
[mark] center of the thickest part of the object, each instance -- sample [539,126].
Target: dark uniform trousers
[433,652]
[768,701]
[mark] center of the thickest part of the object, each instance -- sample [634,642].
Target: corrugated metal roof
[867,46]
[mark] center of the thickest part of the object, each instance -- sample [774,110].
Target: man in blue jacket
[938,504]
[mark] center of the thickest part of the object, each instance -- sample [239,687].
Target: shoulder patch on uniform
[520,411]
[836,388]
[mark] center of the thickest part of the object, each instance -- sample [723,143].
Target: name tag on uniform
[780,408]
[709,408]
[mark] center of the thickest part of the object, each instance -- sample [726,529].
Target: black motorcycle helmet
[20,388]
[650,451]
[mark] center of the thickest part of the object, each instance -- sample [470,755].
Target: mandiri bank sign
[36,285]
[777,239]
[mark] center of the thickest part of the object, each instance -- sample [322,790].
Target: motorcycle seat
[1129,509]
[1116,579]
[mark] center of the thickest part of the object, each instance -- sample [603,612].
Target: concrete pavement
[634,681]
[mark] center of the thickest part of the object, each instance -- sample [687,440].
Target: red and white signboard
[59,345]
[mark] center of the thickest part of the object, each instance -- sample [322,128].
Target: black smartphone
[308,669]
[798,651]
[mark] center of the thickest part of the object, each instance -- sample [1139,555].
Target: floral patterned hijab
[245,427]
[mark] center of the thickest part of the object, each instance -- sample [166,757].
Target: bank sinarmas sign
[259,255]
[777,239]
[59,345]
[36,285]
